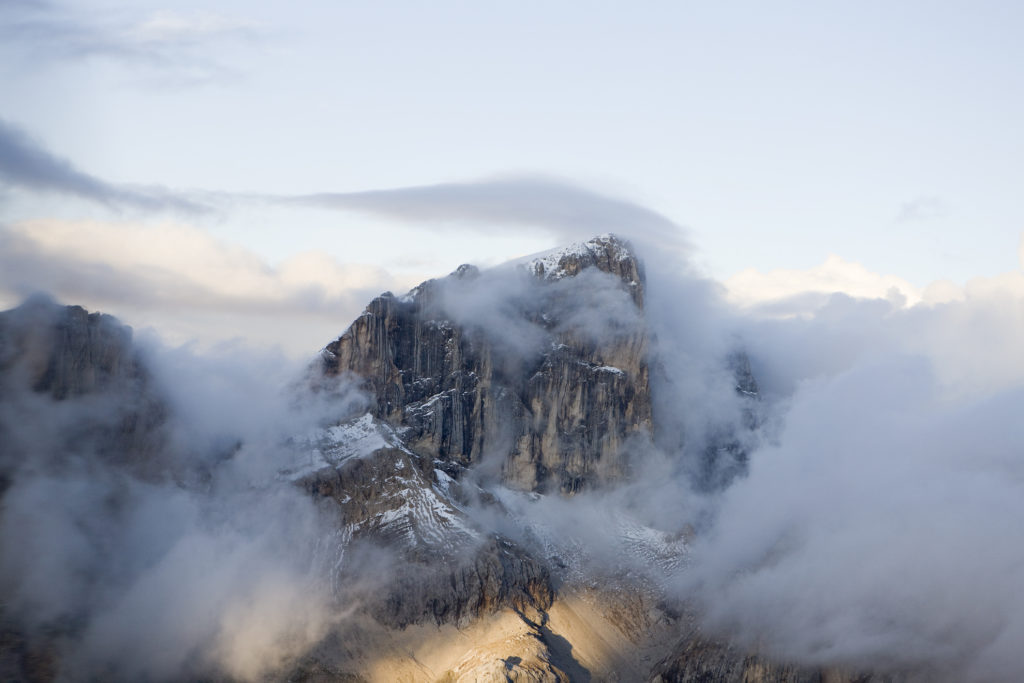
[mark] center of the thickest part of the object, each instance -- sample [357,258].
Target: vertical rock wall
[557,414]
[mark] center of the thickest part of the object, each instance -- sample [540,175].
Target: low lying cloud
[875,534]
[873,528]
[185,559]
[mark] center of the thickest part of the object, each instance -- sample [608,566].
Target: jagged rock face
[549,374]
[64,350]
[440,567]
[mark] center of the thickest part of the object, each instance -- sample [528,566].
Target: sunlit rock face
[440,567]
[538,369]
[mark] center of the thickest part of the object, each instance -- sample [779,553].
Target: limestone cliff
[441,568]
[537,375]
[552,387]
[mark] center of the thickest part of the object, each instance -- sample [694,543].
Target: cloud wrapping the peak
[874,527]
[568,212]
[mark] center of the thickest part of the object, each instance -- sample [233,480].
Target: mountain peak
[551,380]
[608,252]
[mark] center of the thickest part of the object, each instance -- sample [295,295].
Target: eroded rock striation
[534,374]
[540,367]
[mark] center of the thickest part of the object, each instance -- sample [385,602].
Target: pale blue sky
[777,133]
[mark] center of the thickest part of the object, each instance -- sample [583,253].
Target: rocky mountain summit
[519,389]
[556,395]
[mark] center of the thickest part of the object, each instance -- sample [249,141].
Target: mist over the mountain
[165,555]
[856,506]
[876,526]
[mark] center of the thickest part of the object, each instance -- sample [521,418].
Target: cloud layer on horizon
[187,282]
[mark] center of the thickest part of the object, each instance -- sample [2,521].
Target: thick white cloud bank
[878,524]
[204,562]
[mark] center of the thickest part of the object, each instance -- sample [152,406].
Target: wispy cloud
[922,209]
[180,46]
[567,211]
[27,164]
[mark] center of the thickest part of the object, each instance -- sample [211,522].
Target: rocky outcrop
[542,366]
[497,574]
[64,351]
[441,568]
[87,364]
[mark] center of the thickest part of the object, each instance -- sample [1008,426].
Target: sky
[259,170]
[837,183]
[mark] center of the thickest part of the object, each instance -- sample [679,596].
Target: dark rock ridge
[67,355]
[496,575]
[64,351]
[541,366]
[448,572]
